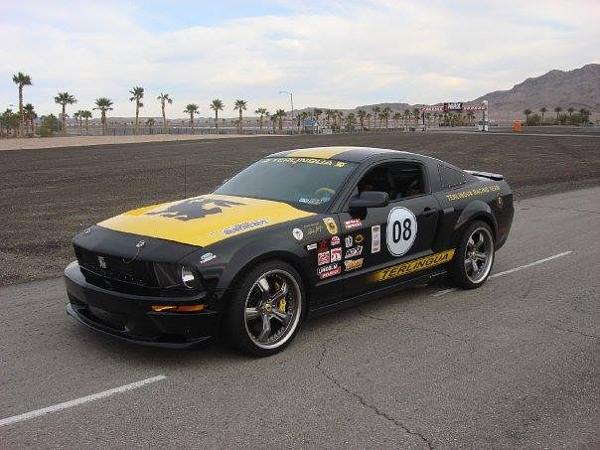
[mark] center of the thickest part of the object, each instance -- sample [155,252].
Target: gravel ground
[50,194]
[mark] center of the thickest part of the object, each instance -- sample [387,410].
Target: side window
[400,180]
[450,177]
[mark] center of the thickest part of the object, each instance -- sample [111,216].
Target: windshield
[306,183]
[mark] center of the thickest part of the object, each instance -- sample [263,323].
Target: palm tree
[385,116]
[416,112]
[329,116]
[240,105]
[137,94]
[407,116]
[86,115]
[29,114]
[543,110]
[527,113]
[262,112]
[21,80]
[350,122]
[362,114]
[274,119]
[317,112]
[164,99]
[64,99]
[557,110]
[216,105]
[103,104]
[570,110]
[585,116]
[191,109]
[376,110]
[396,118]
[150,122]
[77,117]
[340,116]
[280,113]
[470,116]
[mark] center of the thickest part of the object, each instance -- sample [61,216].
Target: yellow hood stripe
[317,152]
[204,220]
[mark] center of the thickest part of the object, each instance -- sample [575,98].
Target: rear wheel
[266,310]
[474,256]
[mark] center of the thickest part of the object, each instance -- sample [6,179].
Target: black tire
[243,331]
[462,272]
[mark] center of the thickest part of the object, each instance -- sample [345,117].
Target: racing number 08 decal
[401,231]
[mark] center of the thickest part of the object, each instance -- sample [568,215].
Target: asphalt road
[515,363]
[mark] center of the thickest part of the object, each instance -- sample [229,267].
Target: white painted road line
[79,401]
[515,269]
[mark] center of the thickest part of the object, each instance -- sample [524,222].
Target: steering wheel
[324,192]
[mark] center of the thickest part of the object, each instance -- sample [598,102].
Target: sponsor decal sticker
[311,229]
[353,264]
[207,257]
[331,225]
[336,254]
[102,262]
[194,208]
[500,201]
[335,240]
[323,245]
[238,228]
[298,234]
[352,224]
[293,161]
[349,241]
[375,238]
[323,258]
[353,252]
[401,231]
[311,247]
[329,271]
[359,238]
[413,266]
[472,192]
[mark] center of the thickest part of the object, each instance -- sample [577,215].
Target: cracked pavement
[513,364]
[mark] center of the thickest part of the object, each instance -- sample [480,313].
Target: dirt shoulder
[81,141]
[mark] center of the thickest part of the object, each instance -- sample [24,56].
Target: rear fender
[475,210]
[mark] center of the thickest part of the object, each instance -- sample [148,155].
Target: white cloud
[350,53]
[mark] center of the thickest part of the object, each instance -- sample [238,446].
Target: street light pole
[292,103]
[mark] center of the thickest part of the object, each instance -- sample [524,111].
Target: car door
[389,236]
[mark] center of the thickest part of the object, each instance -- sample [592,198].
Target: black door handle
[429,211]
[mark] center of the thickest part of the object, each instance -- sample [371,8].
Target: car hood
[204,220]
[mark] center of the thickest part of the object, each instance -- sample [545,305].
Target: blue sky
[330,53]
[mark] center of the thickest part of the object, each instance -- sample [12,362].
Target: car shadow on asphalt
[217,353]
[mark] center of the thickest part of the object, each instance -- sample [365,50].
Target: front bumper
[129,317]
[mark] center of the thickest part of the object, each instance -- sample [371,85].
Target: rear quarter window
[451,177]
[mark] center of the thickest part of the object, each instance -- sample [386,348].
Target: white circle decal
[401,231]
[298,234]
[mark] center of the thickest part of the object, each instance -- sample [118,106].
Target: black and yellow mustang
[299,232]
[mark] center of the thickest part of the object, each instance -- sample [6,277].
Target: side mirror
[369,199]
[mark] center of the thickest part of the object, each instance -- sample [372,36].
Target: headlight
[187,277]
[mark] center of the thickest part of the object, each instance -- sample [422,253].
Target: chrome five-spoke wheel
[474,256]
[272,309]
[479,255]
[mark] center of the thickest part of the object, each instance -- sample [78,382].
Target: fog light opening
[179,308]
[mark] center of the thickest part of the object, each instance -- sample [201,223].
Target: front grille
[140,273]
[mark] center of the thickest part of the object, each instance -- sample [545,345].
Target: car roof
[342,153]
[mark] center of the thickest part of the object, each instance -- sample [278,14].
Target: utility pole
[292,103]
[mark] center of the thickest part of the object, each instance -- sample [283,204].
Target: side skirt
[378,293]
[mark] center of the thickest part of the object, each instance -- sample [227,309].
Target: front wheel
[266,309]
[474,256]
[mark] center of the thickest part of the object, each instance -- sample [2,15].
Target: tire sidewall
[458,272]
